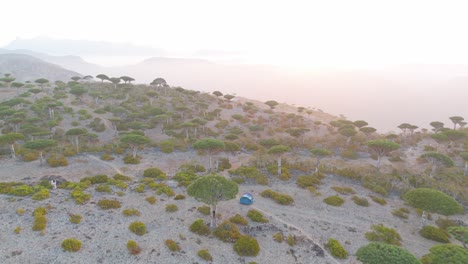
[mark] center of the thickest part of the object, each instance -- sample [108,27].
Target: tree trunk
[40,158]
[348,140]
[13,153]
[317,165]
[465,172]
[77,144]
[433,170]
[378,162]
[209,163]
[134,152]
[213,216]
[279,166]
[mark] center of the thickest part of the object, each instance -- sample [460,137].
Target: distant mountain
[74,63]
[28,68]
[82,47]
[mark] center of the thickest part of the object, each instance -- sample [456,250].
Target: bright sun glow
[304,34]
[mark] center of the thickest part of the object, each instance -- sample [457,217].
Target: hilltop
[87,121]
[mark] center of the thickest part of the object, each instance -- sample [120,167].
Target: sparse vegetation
[133,247]
[379,253]
[171,208]
[205,255]
[384,234]
[279,198]
[131,212]
[71,245]
[199,227]
[75,218]
[107,204]
[256,216]
[336,249]
[138,228]
[434,233]
[172,245]
[246,246]
[238,219]
[334,200]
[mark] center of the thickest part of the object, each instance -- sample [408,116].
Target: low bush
[432,201]
[172,245]
[360,201]
[129,159]
[460,233]
[71,245]
[57,161]
[151,199]
[304,181]
[336,249]
[185,178]
[75,218]
[179,197]
[80,197]
[445,254]
[21,190]
[41,195]
[103,188]
[381,253]
[120,177]
[238,219]
[205,255]
[140,188]
[107,204]
[17,230]
[155,173]
[256,216]
[334,200]
[246,246]
[278,237]
[400,213]
[31,156]
[435,233]
[138,228]
[279,198]
[97,179]
[133,247]
[343,190]
[204,209]
[199,227]
[170,208]
[166,190]
[445,223]
[39,211]
[106,157]
[313,191]
[378,200]
[291,240]
[227,232]
[40,222]
[131,212]
[384,234]
[20,211]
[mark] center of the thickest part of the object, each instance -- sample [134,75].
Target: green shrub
[445,254]
[185,178]
[445,223]
[313,191]
[434,233]
[151,199]
[343,190]
[155,173]
[246,246]
[75,218]
[334,200]
[227,232]
[378,200]
[138,228]
[31,156]
[22,190]
[166,190]
[131,212]
[172,245]
[336,249]
[460,233]
[199,227]
[97,179]
[291,240]
[80,197]
[71,244]
[360,201]
[384,234]
[106,157]
[133,247]
[238,219]
[256,216]
[103,188]
[204,209]
[381,253]
[400,213]
[129,159]
[304,181]
[41,195]
[55,161]
[107,204]
[179,197]
[120,177]
[140,188]
[205,255]
[171,208]
[17,230]
[39,211]
[40,222]
[20,211]
[432,201]
[279,198]
[278,237]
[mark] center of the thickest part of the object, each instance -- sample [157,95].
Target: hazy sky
[301,33]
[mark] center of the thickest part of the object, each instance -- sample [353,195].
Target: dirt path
[106,163]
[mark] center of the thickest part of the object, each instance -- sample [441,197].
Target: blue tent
[247,199]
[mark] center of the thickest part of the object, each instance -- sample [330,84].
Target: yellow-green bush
[378,200]
[279,198]
[75,218]
[384,234]
[138,228]
[133,247]
[238,219]
[107,204]
[41,195]
[71,244]
[21,190]
[151,199]
[131,212]
[171,208]
[256,216]
[172,245]
[40,222]
[105,188]
[199,227]
[433,201]
[381,253]
[57,161]
[343,190]
[278,237]
[336,249]
[179,197]
[227,232]
[155,173]
[204,209]
[129,159]
[31,156]
[246,246]
[400,213]
[79,196]
[434,233]
[360,201]
[334,200]
[106,157]
[120,177]
[205,255]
